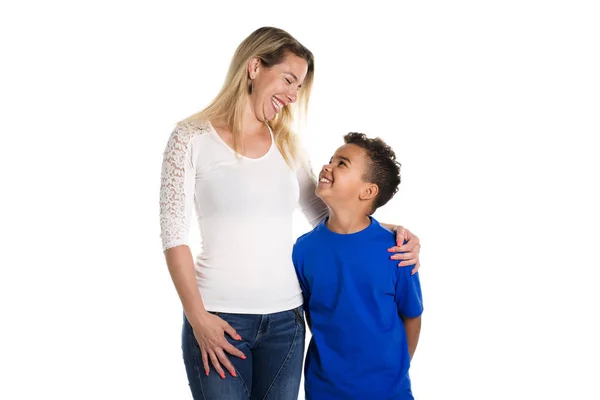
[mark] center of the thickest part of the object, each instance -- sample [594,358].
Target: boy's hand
[410,249]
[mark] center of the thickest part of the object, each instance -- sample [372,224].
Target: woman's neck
[251,125]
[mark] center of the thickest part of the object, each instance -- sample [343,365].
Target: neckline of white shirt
[220,139]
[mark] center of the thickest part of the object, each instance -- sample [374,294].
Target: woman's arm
[311,205]
[208,328]
[176,203]
[181,268]
[177,187]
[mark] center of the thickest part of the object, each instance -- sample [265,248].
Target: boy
[364,312]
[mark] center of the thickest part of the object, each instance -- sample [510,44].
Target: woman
[238,164]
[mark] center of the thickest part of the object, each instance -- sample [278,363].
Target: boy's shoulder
[383,232]
[308,239]
[381,237]
[305,245]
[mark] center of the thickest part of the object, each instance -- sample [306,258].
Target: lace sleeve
[312,206]
[177,186]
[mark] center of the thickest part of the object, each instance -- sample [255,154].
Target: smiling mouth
[324,180]
[277,105]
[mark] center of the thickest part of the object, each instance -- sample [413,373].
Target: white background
[492,108]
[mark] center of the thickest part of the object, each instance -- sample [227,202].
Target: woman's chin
[270,116]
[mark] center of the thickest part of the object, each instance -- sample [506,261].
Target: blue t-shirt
[354,296]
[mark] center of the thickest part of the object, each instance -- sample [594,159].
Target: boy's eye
[341,163]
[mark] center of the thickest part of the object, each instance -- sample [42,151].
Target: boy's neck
[347,221]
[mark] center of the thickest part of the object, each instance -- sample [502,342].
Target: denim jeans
[274,348]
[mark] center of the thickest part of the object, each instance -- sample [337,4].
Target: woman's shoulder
[191,127]
[186,134]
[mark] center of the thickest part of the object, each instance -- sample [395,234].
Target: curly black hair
[382,168]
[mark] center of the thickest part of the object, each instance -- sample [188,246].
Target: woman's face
[274,88]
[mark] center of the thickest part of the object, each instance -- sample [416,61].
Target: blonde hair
[270,45]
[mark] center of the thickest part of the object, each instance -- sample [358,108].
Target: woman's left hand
[407,252]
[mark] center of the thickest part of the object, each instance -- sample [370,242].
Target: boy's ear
[369,192]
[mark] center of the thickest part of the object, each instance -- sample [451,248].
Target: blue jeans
[274,348]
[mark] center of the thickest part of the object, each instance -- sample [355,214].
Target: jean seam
[197,362]
[247,392]
[285,363]
[243,381]
[298,316]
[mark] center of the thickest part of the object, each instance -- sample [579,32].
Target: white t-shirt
[244,209]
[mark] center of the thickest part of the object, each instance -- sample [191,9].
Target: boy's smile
[325,179]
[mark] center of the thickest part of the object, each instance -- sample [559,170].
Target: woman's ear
[253,67]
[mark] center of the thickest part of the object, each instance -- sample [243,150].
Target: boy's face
[341,181]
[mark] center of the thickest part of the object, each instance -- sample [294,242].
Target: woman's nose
[292,97]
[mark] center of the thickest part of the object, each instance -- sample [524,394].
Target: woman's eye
[288,81]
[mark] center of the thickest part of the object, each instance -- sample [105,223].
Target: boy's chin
[323,195]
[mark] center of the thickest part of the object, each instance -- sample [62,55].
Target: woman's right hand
[210,335]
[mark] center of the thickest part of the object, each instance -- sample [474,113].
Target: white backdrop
[492,108]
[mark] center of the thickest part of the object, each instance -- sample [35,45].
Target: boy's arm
[412,326]
[305,293]
[409,301]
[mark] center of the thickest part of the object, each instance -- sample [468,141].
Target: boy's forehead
[350,151]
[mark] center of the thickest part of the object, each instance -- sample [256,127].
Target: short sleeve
[312,206]
[409,298]
[177,186]
[299,267]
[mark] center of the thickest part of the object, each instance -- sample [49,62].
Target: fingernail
[223,376]
[233,374]
[243,357]
[239,337]
[206,372]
